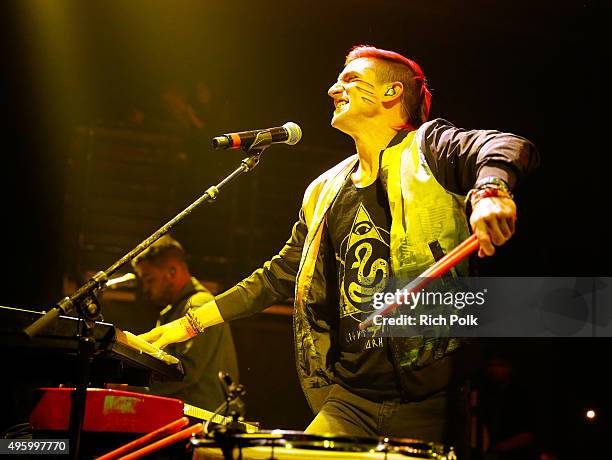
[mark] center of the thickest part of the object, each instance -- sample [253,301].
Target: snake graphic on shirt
[364,274]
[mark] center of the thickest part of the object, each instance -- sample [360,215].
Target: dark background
[534,68]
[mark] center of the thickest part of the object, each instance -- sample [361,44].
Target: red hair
[416,98]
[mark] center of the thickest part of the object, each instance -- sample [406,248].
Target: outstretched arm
[273,283]
[182,329]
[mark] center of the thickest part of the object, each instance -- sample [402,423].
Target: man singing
[387,212]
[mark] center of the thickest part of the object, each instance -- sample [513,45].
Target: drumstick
[442,266]
[136,443]
[165,442]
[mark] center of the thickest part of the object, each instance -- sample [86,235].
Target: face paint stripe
[364,90]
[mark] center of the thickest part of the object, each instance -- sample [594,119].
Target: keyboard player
[166,281]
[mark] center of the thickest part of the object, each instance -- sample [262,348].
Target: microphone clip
[262,141]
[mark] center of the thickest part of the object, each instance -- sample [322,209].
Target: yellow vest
[422,212]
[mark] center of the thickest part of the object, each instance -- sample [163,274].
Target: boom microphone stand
[84,300]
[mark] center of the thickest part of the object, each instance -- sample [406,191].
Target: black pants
[442,418]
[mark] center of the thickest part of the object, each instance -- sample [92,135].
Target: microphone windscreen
[294,132]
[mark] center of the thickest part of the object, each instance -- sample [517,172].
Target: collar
[399,137]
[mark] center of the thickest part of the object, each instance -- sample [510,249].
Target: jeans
[441,418]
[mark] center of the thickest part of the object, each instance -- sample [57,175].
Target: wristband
[493,182]
[489,186]
[191,332]
[487,192]
[194,321]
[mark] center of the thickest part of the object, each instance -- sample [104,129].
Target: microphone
[290,133]
[115,282]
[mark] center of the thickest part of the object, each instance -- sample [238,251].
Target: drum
[294,445]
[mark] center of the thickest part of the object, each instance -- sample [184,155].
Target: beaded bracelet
[195,322]
[487,187]
[191,332]
[487,193]
[492,181]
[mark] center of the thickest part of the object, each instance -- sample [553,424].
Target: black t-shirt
[358,224]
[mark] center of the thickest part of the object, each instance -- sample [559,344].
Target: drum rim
[279,438]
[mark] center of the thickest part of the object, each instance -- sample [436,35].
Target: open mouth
[340,104]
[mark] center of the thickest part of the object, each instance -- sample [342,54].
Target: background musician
[167,282]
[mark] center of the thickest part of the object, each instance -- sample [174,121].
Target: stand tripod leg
[87,346]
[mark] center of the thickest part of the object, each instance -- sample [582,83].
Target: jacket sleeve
[458,158]
[273,283]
